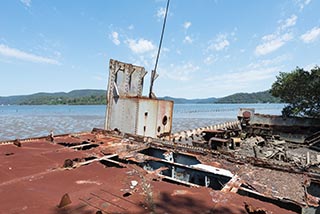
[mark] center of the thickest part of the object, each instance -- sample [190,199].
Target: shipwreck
[255,164]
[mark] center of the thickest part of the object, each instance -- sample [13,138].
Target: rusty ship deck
[111,172]
[205,170]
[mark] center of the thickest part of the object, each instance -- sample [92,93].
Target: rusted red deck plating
[36,173]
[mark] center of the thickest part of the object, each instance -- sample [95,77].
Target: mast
[154,74]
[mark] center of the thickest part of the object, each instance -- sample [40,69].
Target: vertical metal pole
[154,71]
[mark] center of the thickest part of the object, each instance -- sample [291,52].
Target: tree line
[301,90]
[49,100]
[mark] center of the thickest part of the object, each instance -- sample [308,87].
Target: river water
[34,121]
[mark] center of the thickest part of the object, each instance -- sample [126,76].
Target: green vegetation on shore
[301,90]
[258,97]
[86,100]
[76,97]
[98,97]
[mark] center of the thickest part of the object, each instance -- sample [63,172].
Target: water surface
[34,121]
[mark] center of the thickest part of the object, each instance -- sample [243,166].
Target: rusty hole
[314,189]
[127,194]
[110,164]
[87,147]
[165,120]
[288,205]
[159,128]
[146,114]
[68,163]
[144,128]
[77,160]
[66,144]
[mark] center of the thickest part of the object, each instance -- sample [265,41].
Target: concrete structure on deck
[130,112]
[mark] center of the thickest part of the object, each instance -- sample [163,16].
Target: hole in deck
[110,164]
[314,189]
[283,204]
[174,157]
[127,194]
[70,144]
[87,147]
[181,168]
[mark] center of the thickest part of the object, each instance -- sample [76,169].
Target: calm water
[33,121]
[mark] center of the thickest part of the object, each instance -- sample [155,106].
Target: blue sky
[211,48]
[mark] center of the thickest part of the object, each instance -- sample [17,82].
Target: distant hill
[97,97]
[76,97]
[258,97]
[190,101]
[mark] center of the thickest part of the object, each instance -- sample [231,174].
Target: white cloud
[186,25]
[257,74]
[310,66]
[26,2]
[289,22]
[188,40]
[302,3]
[272,43]
[141,60]
[18,54]
[140,46]
[254,77]
[161,12]
[221,42]
[180,72]
[311,35]
[306,2]
[131,27]
[250,75]
[115,38]
[269,37]
[209,60]
[221,45]
[269,62]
